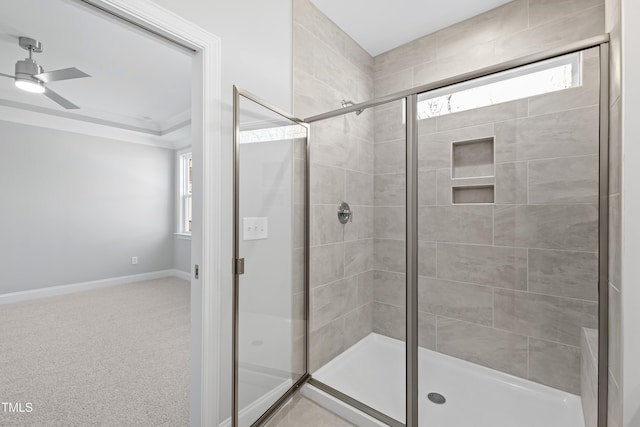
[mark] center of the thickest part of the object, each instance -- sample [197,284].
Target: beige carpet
[116,356]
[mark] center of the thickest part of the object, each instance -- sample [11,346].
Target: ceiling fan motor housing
[27,68]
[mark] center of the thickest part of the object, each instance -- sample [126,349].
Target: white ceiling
[139,83]
[381,25]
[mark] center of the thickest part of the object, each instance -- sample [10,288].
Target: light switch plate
[255,228]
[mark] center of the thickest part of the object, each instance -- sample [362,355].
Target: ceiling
[381,25]
[140,85]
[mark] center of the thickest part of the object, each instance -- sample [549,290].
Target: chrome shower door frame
[238,262]
[410,98]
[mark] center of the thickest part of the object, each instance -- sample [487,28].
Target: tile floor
[301,411]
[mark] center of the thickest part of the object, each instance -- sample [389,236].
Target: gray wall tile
[390,189]
[463,301]
[389,320]
[365,156]
[541,316]
[361,224]
[392,83]
[359,188]
[485,346]
[331,145]
[358,324]
[456,224]
[389,157]
[332,301]
[389,255]
[563,273]
[427,188]
[459,38]
[486,265]
[443,184]
[389,222]
[541,11]
[365,288]
[427,330]
[565,180]
[326,343]
[570,227]
[405,56]
[325,227]
[556,365]
[427,258]
[358,257]
[579,26]
[327,184]
[326,264]
[569,133]
[511,183]
[389,288]
[388,123]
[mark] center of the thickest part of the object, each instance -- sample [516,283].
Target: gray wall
[328,67]
[182,253]
[76,208]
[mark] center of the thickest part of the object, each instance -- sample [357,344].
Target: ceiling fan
[31,77]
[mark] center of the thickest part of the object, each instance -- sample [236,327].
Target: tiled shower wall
[506,285]
[494,289]
[516,29]
[345,260]
[329,67]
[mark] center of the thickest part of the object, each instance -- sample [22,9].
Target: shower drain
[436,398]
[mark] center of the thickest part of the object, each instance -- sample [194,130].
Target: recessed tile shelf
[472,158]
[473,194]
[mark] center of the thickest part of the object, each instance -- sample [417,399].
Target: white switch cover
[254,228]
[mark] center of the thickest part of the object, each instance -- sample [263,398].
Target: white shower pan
[373,372]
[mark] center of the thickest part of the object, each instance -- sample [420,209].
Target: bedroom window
[185,219]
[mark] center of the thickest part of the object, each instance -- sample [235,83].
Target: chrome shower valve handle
[345,214]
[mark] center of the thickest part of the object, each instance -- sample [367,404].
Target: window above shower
[545,77]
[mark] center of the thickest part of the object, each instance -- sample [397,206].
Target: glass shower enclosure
[469,278]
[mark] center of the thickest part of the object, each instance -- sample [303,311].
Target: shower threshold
[373,372]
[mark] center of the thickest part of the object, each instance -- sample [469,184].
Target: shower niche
[473,171]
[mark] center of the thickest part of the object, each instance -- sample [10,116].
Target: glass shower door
[270,267]
[508,231]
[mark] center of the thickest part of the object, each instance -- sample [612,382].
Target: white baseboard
[86,286]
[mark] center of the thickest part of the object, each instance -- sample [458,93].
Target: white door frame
[207,204]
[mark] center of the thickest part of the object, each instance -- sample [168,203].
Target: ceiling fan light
[29,85]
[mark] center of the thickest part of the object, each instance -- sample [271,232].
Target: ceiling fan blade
[60,100]
[64,74]
[7,75]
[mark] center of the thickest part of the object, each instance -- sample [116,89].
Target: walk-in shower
[449,270]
